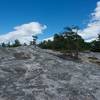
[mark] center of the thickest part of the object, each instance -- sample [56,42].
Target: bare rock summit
[28,73]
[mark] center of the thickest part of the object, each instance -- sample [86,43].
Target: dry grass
[98,62]
[94,60]
[22,56]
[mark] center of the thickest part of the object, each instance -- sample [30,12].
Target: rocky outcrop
[28,73]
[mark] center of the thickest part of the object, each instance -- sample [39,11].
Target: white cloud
[93,28]
[23,32]
[50,38]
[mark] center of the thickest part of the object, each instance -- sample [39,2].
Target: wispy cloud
[93,27]
[23,32]
[91,31]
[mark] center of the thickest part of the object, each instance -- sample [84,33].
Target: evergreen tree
[58,42]
[68,41]
[8,45]
[96,45]
[73,39]
[16,43]
[3,45]
[34,40]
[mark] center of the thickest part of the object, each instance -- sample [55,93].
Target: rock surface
[28,73]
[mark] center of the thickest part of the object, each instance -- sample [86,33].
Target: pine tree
[16,43]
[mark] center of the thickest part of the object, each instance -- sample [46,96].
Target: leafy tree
[31,42]
[46,44]
[3,45]
[98,37]
[43,45]
[96,45]
[8,45]
[49,44]
[34,39]
[68,41]
[58,43]
[16,43]
[73,39]
[24,44]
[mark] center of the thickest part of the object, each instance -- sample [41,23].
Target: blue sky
[54,15]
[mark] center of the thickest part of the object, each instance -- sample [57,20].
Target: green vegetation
[67,41]
[3,44]
[15,44]
[95,45]
[34,40]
